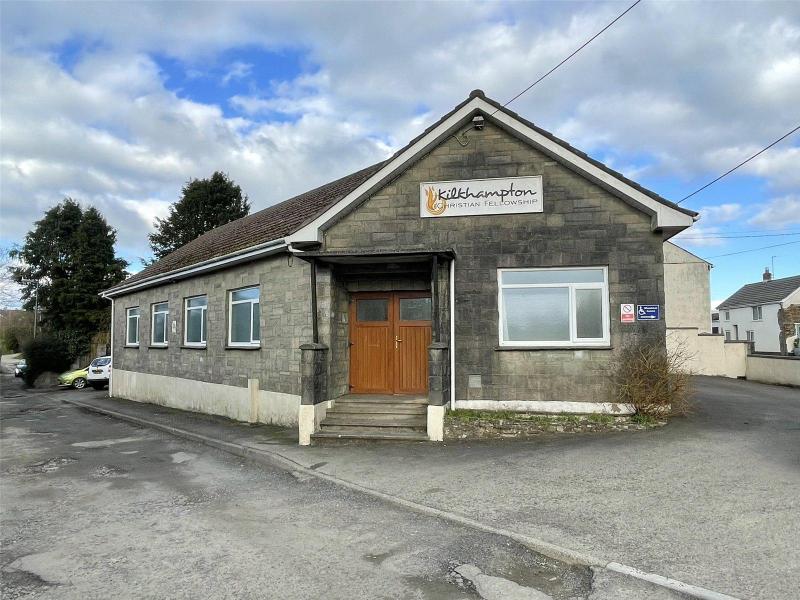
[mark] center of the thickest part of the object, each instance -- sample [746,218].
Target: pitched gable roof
[272,223]
[299,218]
[763,292]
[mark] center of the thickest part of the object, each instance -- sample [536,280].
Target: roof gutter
[213,264]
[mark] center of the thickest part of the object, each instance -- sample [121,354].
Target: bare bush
[655,380]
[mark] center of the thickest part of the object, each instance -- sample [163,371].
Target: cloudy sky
[117,105]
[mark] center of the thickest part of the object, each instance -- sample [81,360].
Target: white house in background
[765,313]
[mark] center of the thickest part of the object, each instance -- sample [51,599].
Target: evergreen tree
[70,253]
[205,204]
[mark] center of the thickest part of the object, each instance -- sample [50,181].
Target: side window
[158,324]
[244,318]
[132,327]
[195,312]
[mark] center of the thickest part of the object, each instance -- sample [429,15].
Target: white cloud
[237,70]
[721,213]
[779,213]
[109,130]
[700,236]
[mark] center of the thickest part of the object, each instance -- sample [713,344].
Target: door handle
[396,341]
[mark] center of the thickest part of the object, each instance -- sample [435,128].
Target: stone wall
[787,318]
[285,325]
[582,224]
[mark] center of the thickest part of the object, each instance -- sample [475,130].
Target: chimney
[767,276]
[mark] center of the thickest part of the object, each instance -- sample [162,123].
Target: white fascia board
[664,216]
[209,265]
[793,298]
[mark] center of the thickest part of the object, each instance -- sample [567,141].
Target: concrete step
[378,408]
[371,429]
[376,420]
[359,434]
[382,399]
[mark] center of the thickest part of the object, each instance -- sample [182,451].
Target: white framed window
[553,307]
[158,324]
[757,313]
[727,335]
[132,326]
[751,336]
[244,316]
[194,328]
[727,315]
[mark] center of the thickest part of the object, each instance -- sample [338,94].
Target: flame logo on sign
[436,205]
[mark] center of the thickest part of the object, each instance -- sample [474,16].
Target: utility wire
[586,43]
[753,249]
[734,237]
[744,162]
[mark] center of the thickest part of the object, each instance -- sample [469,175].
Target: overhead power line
[734,237]
[744,162]
[581,47]
[753,249]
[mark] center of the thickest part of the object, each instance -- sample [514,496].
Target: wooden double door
[389,337]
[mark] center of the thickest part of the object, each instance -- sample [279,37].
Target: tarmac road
[96,508]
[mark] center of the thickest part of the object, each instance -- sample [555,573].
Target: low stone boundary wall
[781,370]
[463,425]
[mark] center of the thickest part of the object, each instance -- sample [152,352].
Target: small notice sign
[626,313]
[648,312]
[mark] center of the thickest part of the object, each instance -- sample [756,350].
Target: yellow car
[76,379]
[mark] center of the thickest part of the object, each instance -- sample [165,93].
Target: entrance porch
[378,365]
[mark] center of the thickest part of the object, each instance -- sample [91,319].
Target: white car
[99,372]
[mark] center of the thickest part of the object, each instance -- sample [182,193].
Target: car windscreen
[100,362]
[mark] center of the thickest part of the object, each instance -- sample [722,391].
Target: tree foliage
[16,327]
[46,354]
[70,253]
[204,205]
[9,290]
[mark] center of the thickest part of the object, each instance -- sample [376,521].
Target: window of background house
[244,318]
[132,332]
[159,324]
[727,315]
[195,321]
[757,313]
[727,335]
[751,336]
[554,307]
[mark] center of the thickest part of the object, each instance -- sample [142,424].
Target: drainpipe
[452,333]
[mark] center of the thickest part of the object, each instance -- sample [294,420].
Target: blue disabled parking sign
[648,312]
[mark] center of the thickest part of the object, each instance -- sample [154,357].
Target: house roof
[763,292]
[281,220]
[272,223]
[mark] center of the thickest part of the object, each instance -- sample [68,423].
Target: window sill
[194,347]
[158,346]
[132,346]
[243,347]
[548,348]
